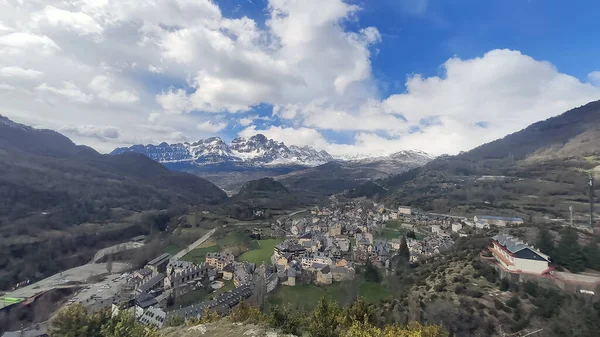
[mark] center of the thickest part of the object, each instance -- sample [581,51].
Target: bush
[531,288]
[513,302]
[504,284]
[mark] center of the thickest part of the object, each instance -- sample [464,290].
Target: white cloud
[174,101]
[211,127]
[101,85]
[20,41]
[304,59]
[94,131]
[594,78]
[290,136]
[79,22]
[154,69]
[245,121]
[68,90]
[6,86]
[153,117]
[20,72]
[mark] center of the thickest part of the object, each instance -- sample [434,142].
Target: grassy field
[262,253]
[197,255]
[307,296]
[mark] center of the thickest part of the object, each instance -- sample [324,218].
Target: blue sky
[351,77]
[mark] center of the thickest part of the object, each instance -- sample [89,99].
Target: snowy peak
[256,151]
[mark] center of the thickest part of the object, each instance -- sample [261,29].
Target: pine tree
[545,243]
[569,252]
[404,252]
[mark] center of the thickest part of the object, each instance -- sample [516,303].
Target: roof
[160,259]
[145,300]
[228,268]
[489,217]
[156,279]
[515,245]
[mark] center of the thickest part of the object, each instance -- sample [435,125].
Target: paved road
[194,245]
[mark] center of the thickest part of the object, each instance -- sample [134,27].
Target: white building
[516,256]
[405,210]
[456,227]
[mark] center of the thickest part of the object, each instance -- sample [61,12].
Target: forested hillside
[49,187]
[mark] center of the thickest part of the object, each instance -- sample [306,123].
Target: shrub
[513,302]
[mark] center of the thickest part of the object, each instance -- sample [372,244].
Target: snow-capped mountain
[256,151]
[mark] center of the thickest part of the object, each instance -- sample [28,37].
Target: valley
[481,242]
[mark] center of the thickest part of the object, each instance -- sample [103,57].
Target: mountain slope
[67,200]
[539,171]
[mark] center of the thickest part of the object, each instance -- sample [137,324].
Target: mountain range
[231,165]
[214,153]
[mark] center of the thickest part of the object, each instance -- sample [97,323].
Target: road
[194,245]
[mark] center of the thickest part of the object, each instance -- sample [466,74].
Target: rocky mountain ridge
[256,151]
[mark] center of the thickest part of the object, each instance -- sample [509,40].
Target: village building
[219,260]
[404,210]
[516,256]
[324,276]
[228,272]
[159,264]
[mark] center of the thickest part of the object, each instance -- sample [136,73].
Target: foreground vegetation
[327,319]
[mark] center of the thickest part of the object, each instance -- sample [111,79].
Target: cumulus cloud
[102,86]
[78,22]
[211,127]
[594,78]
[304,59]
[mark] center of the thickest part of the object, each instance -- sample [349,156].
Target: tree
[324,321]
[404,252]
[371,272]
[545,242]
[592,255]
[124,325]
[74,321]
[569,252]
[109,263]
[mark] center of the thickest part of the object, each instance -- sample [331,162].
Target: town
[320,246]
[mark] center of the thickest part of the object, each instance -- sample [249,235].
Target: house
[456,227]
[155,282]
[290,247]
[179,280]
[499,221]
[404,210]
[159,264]
[324,276]
[141,275]
[395,244]
[341,263]
[219,260]
[342,273]
[228,272]
[517,256]
[319,258]
[335,230]
[436,229]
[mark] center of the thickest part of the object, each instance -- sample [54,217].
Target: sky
[354,78]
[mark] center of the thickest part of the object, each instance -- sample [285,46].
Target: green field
[197,255]
[262,252]
[307,296]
